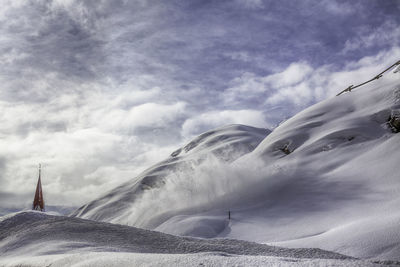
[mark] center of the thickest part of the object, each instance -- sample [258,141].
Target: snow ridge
[222,145]
[56,234]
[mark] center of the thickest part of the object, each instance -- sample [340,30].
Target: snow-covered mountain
[219,146]
[326,178]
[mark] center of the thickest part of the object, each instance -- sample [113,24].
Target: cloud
[300,84]
[326,82]
[340,8]
[254,88]
[77,140]
[144,116]
[206,121]
[251,3]
[49,39]
[387,33]
[293,74]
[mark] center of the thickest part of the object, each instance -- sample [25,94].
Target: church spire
[38,201]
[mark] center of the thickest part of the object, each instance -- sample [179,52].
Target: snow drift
[167,188]
[37,239]
[326,178]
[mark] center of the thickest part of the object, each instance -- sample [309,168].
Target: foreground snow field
[37,239]
[326,178]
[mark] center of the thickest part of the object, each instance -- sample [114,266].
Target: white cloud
[325,82]
[387,33]
[300,85]
[249,86]
[293,74]
[82,135]
[209,120]
[145,115]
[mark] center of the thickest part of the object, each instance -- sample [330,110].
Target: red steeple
[38,202]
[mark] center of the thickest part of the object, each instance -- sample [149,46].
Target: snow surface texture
[326,178]
[130,202]
[37,239]
[56,210]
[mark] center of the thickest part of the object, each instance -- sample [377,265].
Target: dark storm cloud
[205,44]
[51,41]
[186,44]
[41,40]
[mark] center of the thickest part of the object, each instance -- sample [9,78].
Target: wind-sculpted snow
[131,202]
[46,232]
[326,178]
[36,236]
[341,177]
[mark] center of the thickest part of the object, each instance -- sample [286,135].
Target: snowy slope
[326,178]
[342,176]
[224,144]
[337,189]
[37,239]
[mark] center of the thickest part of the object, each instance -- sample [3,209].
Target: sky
[97,91]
